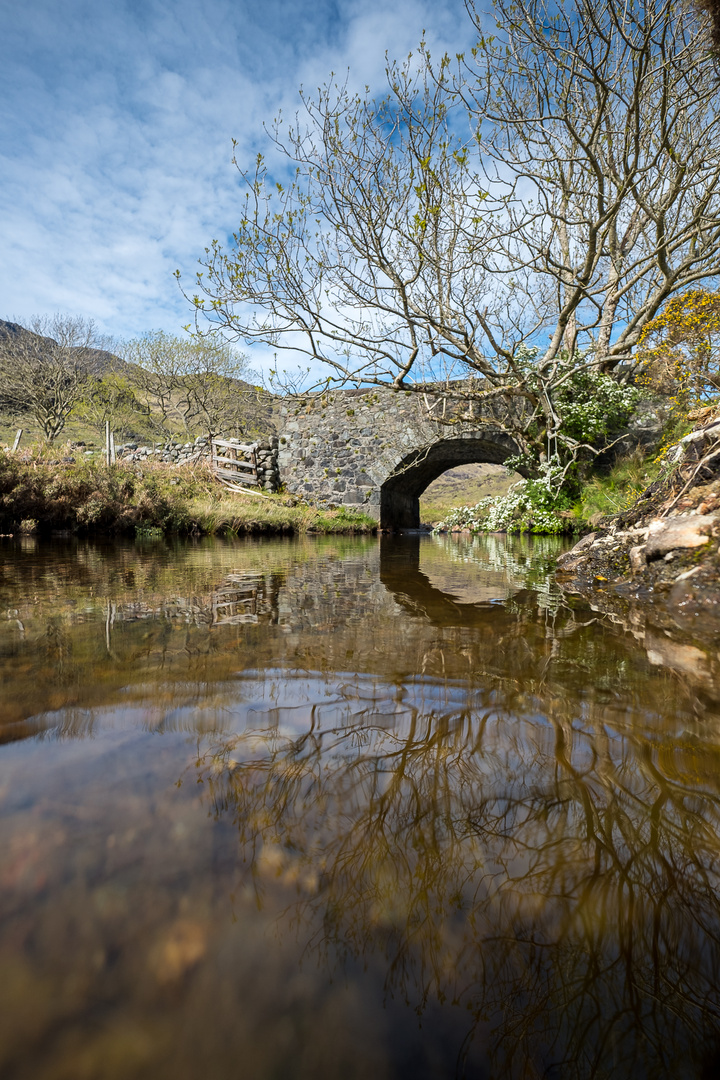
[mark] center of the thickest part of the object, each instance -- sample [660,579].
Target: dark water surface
[349,808]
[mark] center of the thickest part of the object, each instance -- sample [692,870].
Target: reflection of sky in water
[289,704]
[501,568]
[503,814]
[295,703]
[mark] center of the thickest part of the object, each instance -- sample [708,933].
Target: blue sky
[116,121]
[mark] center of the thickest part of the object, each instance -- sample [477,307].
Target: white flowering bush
[593,407]
[590,409]
[533,506]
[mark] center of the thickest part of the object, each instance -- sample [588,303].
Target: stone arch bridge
[377,450]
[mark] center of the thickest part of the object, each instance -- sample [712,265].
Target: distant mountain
[257,412]
[97,361]
[465,485]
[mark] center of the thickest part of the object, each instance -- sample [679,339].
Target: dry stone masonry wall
[176,453]
[373,450]
[377,451]
[173,451]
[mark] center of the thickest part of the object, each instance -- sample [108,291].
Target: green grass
[40,492]
[603,494]
[238,515]
[74,431]
[137,427]
[617,490]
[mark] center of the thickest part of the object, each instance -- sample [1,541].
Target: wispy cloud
[117,120]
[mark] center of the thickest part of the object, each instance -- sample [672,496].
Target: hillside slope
[464,485]
[99,363]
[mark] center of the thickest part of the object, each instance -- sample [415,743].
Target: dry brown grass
[44,485]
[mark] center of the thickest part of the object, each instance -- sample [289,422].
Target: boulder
[669,534]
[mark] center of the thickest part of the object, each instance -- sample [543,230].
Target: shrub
[534,506]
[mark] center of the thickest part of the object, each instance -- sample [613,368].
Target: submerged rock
[179,950]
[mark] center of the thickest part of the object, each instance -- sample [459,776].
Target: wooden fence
[235,462]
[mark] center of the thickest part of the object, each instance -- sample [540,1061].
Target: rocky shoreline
[660,559]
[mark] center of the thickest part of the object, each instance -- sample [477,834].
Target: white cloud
[115,142]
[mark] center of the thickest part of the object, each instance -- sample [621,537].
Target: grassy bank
[615,491]
[45,490]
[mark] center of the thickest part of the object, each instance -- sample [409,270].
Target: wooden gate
[237,598]
[235,462]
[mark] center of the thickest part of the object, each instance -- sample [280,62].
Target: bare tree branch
[45,368]
[544,198]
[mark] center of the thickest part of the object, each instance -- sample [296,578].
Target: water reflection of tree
[557,879]
[528,561]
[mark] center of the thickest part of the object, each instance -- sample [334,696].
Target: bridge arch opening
[401,491]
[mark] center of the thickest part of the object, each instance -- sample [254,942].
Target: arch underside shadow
[400,494]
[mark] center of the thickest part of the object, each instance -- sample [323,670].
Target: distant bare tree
[45,367]
[156,365]
[110,399]
[189,385]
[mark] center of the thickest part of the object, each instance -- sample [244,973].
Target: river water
[349,808]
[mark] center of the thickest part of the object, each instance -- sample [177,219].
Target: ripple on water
[347,808]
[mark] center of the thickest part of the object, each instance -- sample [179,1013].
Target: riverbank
[46,490]
[663,551]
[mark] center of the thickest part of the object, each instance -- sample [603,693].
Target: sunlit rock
[179,950]
[670,534]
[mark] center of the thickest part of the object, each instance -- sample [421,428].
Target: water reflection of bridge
[240,598]
[449,582]
[417,575]
[495,605]
[436,587]
[491,800]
